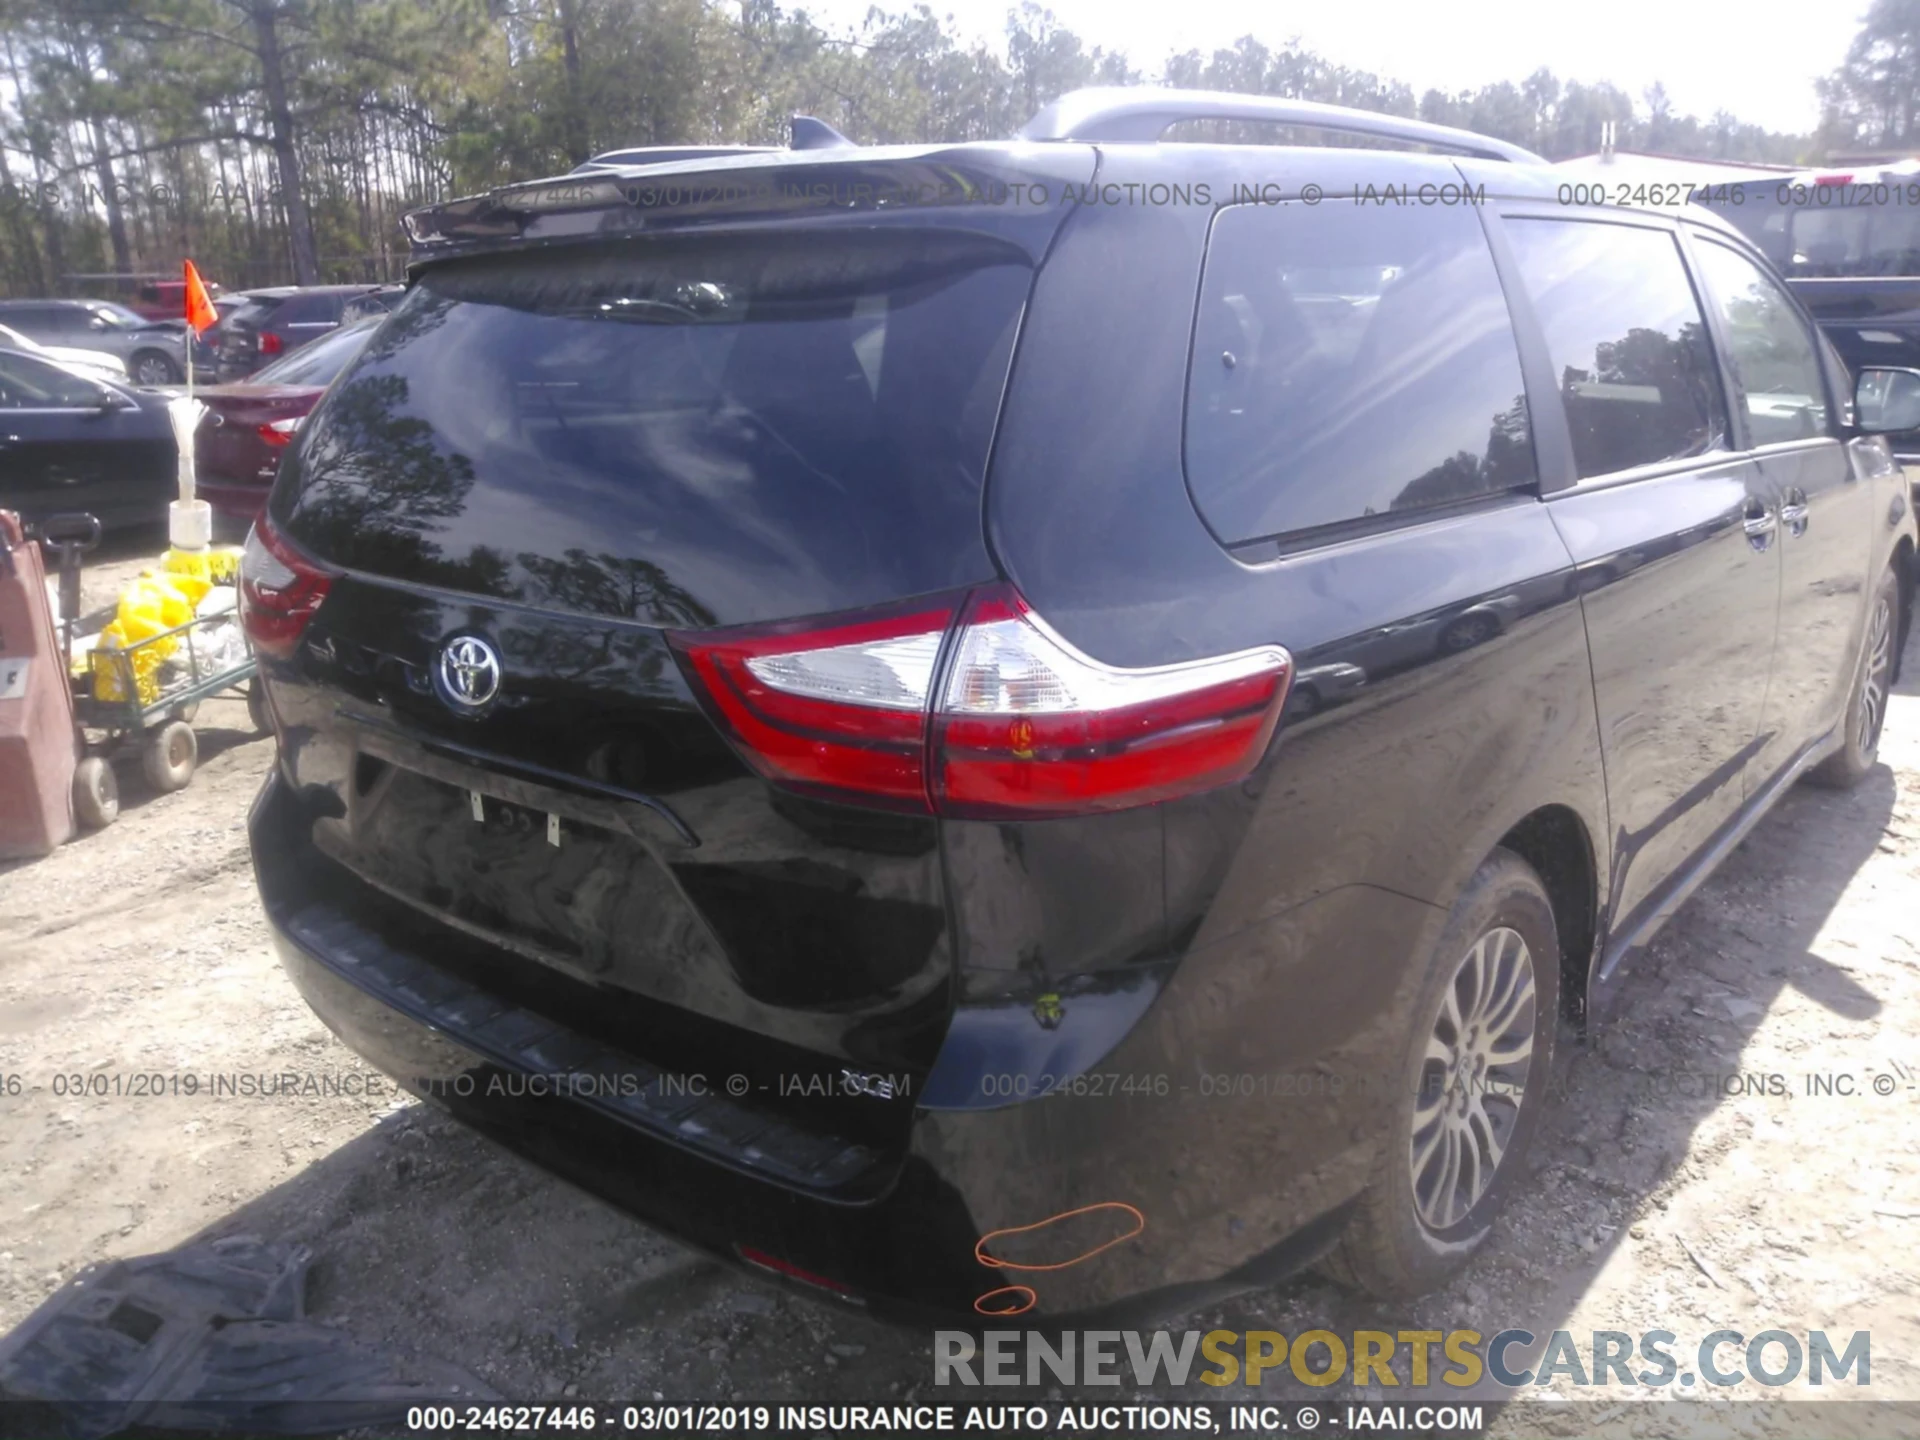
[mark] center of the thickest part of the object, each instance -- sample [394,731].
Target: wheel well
[1555,843]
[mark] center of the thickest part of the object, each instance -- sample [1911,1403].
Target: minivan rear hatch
[570,455]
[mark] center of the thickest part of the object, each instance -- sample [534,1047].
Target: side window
[1626,337]
[1769,348]
[1349,363]
[56,320]
[30,384]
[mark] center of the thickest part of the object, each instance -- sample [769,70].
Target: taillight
[279,433]
[1025,725]
[839,707]
[270,343]
[280,589]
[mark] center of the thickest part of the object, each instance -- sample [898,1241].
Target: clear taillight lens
[280,589]
[1026,725]
[1029,725]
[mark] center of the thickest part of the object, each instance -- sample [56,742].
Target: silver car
[155,352]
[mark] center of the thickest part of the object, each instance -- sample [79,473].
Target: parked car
[167,299]
[155,353]
[72,441]
[1847,239]
[250,423]
[93,362]
[277,322]
[206,343]
[376,302]
[782,707]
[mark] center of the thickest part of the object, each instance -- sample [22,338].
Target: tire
[1866,713]
[151,367]
[169,756]
[96,793]
[1412,1228]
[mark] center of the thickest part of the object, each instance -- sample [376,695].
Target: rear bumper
[1234,1190]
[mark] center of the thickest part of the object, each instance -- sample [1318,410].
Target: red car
[249,423]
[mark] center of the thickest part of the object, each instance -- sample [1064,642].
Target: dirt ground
[1656,1200]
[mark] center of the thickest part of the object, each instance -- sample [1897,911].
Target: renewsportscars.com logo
[1460,1358]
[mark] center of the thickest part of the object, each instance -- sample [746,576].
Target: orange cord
[1033,1299]
[995,1262]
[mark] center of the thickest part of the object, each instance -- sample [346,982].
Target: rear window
[254,312]
[1824,238]
[775,413]
[318,363]
[1350,363]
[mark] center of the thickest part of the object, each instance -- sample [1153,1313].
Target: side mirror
[1887,399]
[110,400]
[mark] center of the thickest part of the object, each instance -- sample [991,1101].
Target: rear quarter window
[1349,363]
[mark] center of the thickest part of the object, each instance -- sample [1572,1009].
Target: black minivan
[1049,725]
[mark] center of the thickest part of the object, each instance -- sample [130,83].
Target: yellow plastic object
[139,611]
[193,587]
[110,667]
[223,563]
[196,563]
[175,607]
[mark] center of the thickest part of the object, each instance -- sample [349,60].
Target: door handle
[1793,514]
[1759,522]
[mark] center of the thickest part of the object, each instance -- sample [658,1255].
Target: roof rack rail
[662,155]
[1143,113]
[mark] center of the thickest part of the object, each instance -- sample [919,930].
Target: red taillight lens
[279,433]
[280,589]
[1026,725]
[841,707]
[270,343]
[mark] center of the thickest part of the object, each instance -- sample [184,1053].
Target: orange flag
[200,311]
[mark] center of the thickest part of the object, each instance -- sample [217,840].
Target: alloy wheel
[1473,1078]
[1879,666]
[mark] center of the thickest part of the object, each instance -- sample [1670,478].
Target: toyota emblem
[468,672]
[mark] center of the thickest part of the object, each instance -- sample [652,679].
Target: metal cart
[140,699]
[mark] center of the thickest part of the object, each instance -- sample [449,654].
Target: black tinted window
[30,384]
[1348,363]
[31,319]
[1770,348]
[543,426]
[1626,337]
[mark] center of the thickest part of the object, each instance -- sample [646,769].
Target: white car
[93,363]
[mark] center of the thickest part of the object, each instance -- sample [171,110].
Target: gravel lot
[1651,1204]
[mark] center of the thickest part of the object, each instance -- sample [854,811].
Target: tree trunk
[578,141]
[110,195]
[286,153]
